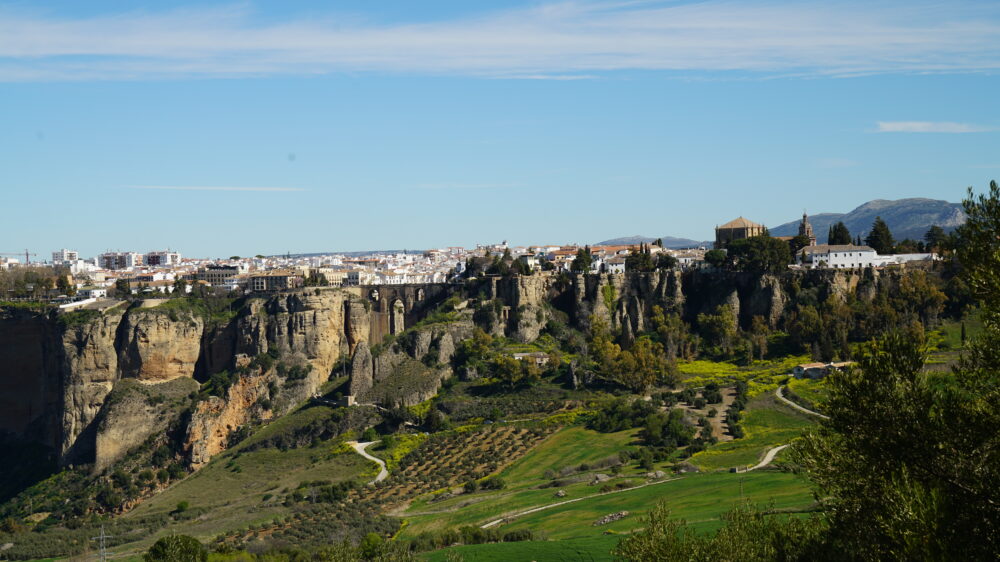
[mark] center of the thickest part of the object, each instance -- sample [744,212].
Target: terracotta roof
[741,222]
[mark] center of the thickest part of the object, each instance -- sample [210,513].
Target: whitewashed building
[840,256]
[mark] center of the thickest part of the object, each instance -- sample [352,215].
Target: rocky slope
[92,386]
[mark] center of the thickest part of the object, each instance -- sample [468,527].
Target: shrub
[176,548]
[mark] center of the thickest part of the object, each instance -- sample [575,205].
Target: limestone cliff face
[625,300]
[309,325]
[527,297]
[157,347]
[134,411]
[215,418]
[89,371]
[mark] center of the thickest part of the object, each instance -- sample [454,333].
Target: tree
[839,234]
[176,548]
[122,288]
[583,260]
[64,286]
[639,259]
[880,238]
[715,258]
[935,238]
[759,330]
[760,254]
[665,261]
[797,243]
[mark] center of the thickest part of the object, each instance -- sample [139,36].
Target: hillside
[907,218]
[225,420]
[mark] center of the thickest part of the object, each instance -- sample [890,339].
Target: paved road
[779,392]
[360,448]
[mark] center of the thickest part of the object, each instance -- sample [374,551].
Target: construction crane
[27,256]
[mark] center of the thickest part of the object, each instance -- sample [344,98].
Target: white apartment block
[162,258]
[119,260]
[65,255]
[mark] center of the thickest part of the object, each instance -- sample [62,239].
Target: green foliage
[759,254]
[583,260]
[78,317]
[880,238]
[176,548]
[639,259]
[839,234]
[715,258]
[750,534]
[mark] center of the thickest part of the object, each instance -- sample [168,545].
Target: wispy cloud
[466,186]
[213,188]
[560,41]
[930,127]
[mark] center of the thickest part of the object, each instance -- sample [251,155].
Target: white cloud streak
[214,188]
[567,40]
[930,127]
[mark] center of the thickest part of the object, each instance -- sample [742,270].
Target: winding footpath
[557,504]
[779,392]
[360,448]
[768,457]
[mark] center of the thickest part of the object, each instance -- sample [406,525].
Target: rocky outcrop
[157,347]
[215,418]
[133,412]
[362,370]
[89,372]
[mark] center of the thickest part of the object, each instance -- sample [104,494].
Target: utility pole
[104,550]
[742,478]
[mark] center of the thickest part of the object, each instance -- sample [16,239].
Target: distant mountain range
[907,218]
[668,242]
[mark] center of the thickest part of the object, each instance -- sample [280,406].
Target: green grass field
[590,549]
[699,499]
[568,447]
[767,423]
[762,376]
[814,391]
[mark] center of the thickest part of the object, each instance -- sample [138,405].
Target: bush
[182,506]
[369,435]
[176,548]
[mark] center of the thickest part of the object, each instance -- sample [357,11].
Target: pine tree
[839,234]
[880,237]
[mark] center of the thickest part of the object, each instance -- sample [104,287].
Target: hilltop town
[166,271]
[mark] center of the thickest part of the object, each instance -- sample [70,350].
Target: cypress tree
[880,237]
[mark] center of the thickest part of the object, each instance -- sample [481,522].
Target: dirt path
[768,457]
[557,504]
[780,393]
[360,448]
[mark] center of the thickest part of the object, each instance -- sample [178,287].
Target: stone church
[737,229]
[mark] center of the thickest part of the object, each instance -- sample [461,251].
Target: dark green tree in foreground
[880,238]
[907,467]
[909,461]
[176,548]
[839,234]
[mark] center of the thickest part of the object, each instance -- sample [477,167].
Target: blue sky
[265,127]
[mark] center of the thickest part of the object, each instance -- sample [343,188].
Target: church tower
[806,229]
